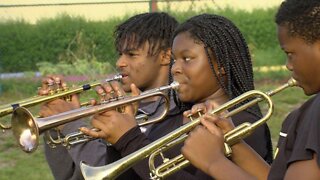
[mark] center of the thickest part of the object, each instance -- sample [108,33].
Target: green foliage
[23,45]
[77,67]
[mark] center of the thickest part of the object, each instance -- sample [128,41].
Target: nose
[289,65]
[121,62]
[176,68]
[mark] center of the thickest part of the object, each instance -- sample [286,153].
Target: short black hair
[301,17]
[155,28]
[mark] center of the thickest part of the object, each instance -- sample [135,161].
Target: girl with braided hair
[297,157]
[211,62]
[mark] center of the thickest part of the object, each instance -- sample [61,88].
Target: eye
[186,59]
[132,54]
[289,54]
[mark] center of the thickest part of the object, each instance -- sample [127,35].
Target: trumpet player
[297,155]
[144,46]
[211,62]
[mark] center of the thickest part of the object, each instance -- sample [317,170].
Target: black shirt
[299,138]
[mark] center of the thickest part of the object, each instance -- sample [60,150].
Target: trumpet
[26,128]
[32,101]
[111,171]
[79,137]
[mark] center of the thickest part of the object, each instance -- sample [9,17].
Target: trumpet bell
[25,129]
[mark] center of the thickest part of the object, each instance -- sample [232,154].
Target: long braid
[225,44]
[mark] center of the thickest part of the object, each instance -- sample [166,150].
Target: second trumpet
[27,129]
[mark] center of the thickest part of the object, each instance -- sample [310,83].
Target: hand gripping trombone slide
[27,129]
[111,171]
[32,101]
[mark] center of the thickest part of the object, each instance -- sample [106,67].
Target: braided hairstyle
[228,47]
[224,43]
[155,28]
[302,18]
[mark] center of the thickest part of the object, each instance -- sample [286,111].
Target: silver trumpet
[26,128]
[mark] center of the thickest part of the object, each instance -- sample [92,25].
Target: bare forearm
[226,169]
[246,158]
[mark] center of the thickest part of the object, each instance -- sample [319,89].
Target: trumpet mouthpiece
[174,85]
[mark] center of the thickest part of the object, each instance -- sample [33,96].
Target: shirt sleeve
[133,140]
[307,141]
[65,162]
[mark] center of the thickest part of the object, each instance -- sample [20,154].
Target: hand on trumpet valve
[198,110]
[209,137]
[56,106]
[110,91]
[52,84]
[114,124]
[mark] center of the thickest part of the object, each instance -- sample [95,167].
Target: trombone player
[144,46]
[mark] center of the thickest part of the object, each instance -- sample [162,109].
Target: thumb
[134,92]
[75,100]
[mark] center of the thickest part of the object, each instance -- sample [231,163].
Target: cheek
[202,83]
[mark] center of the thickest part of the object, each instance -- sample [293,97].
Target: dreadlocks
[301,17]
[155,28]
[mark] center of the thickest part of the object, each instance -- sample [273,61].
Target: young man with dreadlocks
[144,46]
[297,157]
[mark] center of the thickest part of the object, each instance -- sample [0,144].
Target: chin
[309,92]
[126,87]
[183,98]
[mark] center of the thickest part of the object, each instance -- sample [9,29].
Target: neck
[161,80]
[220,97]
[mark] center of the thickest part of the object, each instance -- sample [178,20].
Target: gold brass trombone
[111,171]
[32,101]
[26,128]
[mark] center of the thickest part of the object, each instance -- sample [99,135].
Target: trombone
[27,129]
[32,101]
[111,171]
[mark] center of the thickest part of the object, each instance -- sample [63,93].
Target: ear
[222,71]
[165,57]
[317,44]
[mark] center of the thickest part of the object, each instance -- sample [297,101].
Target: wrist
[216,166]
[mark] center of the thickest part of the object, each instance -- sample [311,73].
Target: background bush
[24,45]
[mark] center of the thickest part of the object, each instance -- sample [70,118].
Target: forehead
[130,44]
[185,41]
[286,40]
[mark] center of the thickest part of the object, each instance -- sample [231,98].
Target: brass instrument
[26,128]
[111,171]
[79,137]
[32,101]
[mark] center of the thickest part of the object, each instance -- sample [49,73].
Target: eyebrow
[129,50]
